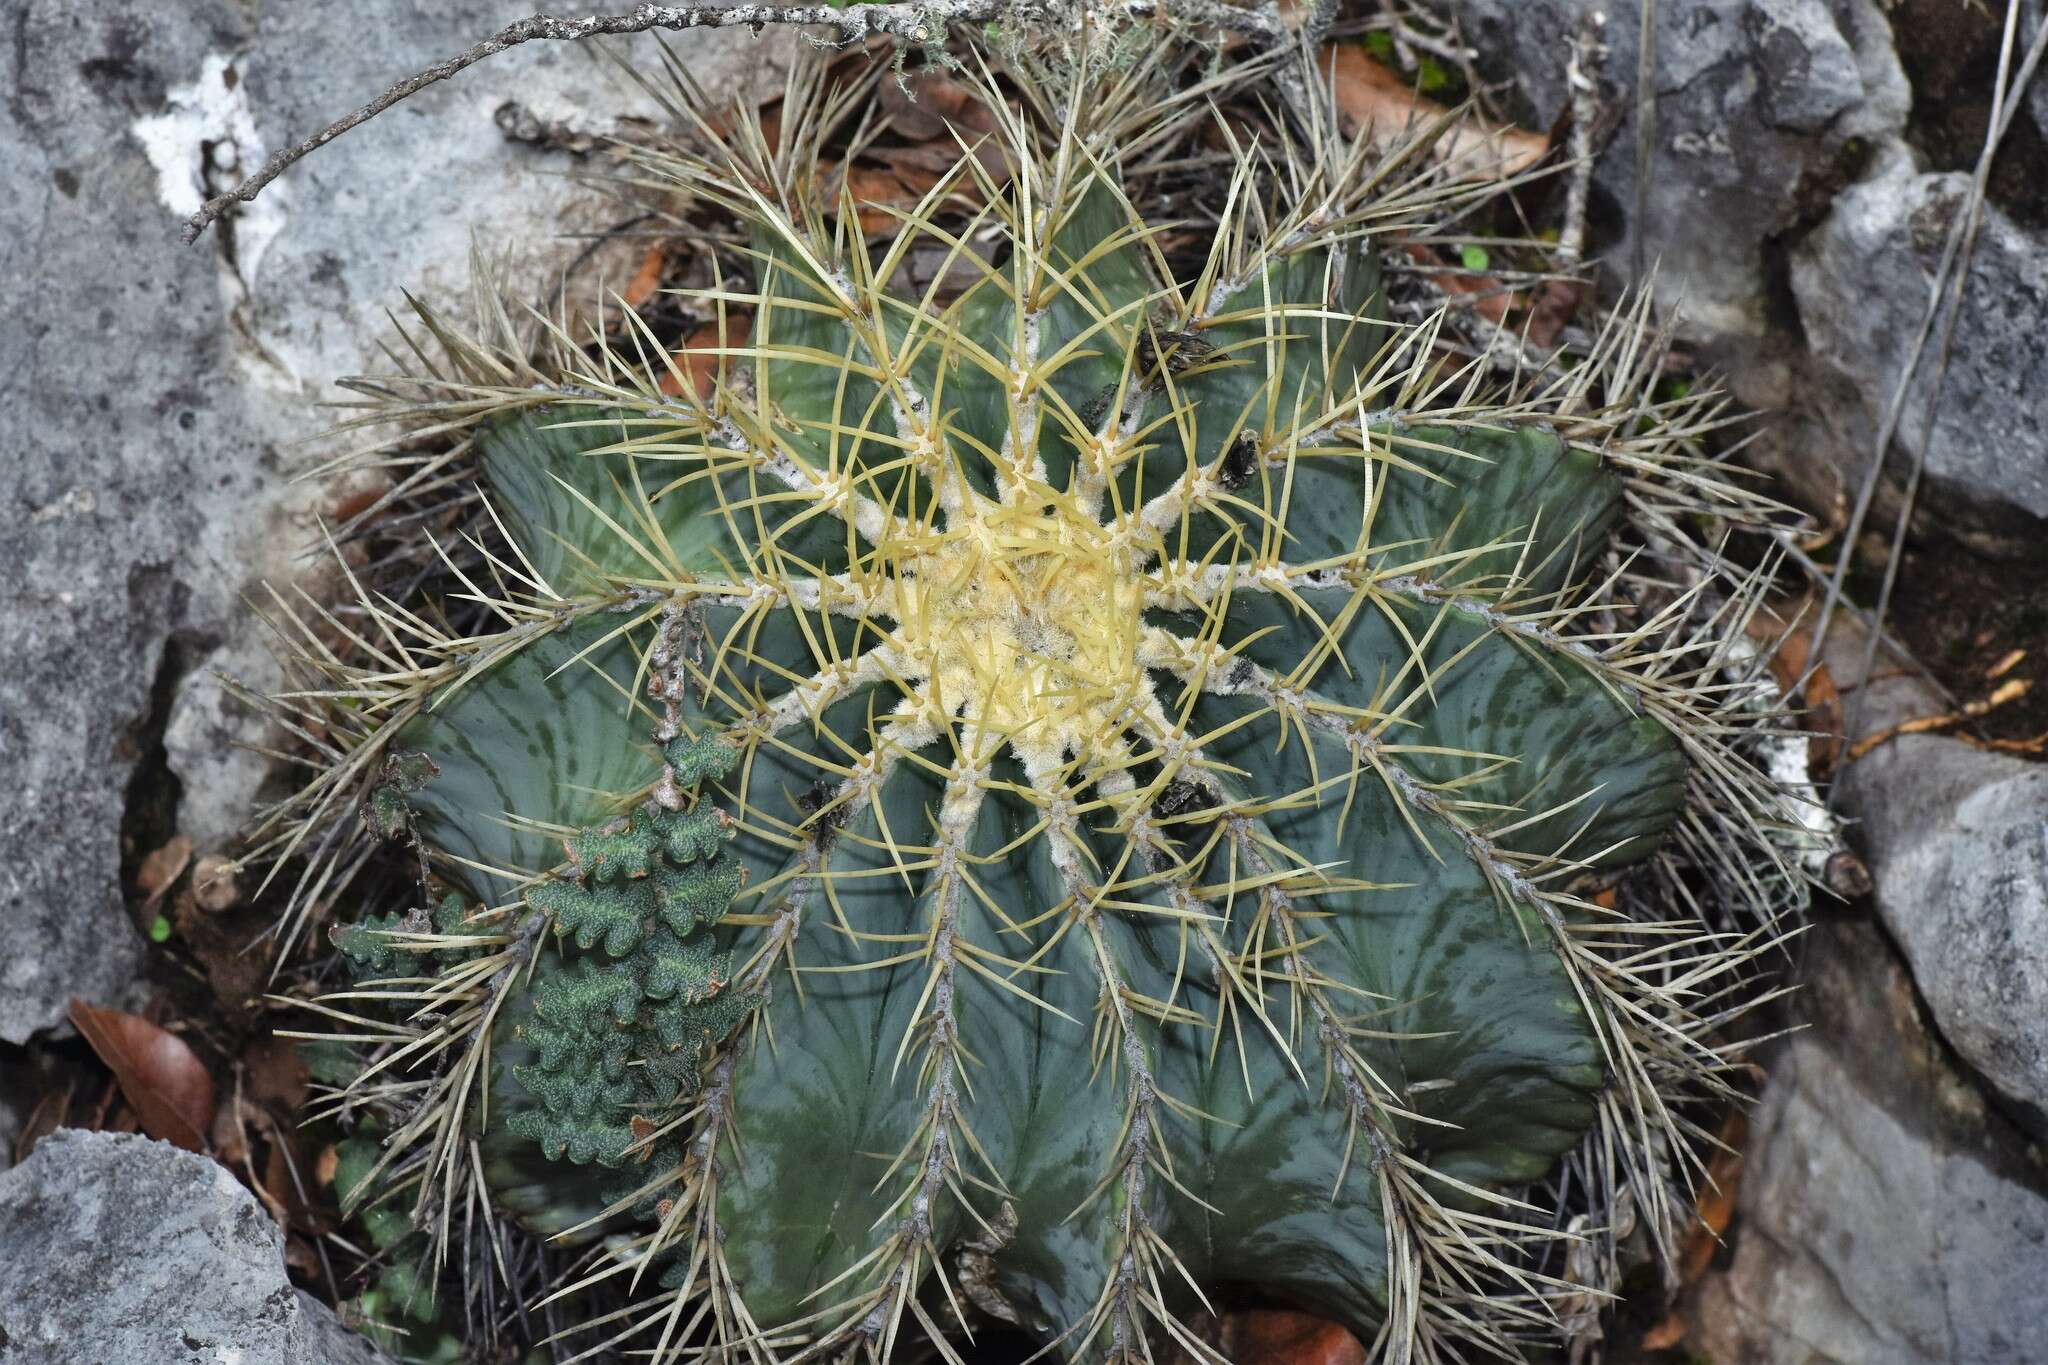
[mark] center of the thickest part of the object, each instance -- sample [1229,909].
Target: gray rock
[1862,282]
[2034,13]
[124,1249]
[1885,1218]
[1960,854]
[12,1115]
[1762,106]
[1889,1212]
[155,399]
[1807,74]
[1957,842]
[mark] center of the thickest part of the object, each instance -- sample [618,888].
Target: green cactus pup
[1049,799]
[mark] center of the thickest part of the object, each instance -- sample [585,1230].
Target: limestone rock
[1762,108]
[1957,842]
[124,1249]
[154,399]
[1885,1216]
[1862,282]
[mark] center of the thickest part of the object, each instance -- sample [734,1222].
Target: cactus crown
[1076,791]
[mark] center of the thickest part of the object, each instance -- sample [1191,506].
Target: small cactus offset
[1071,794]
[624,1028]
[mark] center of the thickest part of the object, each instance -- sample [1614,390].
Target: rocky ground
[1806,159]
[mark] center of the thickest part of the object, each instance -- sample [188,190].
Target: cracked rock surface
[154,399]
[119,1248]
[1761,106]
[1893,1205]
[1862,281]
[1885,1216]
[1893,1208]
[1959,850]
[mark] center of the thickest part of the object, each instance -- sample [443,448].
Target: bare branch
[1582,75]
[923,23]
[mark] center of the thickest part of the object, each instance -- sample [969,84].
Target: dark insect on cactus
[1125,779]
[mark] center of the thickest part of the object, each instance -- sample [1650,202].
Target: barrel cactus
[1049,799]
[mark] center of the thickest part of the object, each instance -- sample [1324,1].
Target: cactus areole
[1076,791]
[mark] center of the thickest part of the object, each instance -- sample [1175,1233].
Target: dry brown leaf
[1666,1334]
[52,1111]
[277,1077]
[166,1085]
[647,278]
[1370,95]
[214,887]
[279,1192]
[229,1140]
[1281,1337]
[938,119]
[301,1255]
[1490,298]
[877,189]
[1553,304]
[933,104]
[326,1165]
[698,357]
[1715,1203]
[161,868]
[1822,700]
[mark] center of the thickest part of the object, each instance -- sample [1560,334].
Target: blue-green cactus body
[1053,797]
[1257,965]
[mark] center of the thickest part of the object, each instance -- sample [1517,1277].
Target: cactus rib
[1108,775]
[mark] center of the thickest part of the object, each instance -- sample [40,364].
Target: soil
[1963,616]
[1950,53]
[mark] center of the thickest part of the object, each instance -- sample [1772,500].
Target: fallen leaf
[326,1164]
[300,1255]
[939,119]
[161,868]
[1490,298]
[214,887]
[160,1077]
[1666,1334]
[647,278]
[52,1111]
[220,944]
[277,1076]
[1553,305]
[279,1191]
[1275,1336]
[1378,98]
[698,358]
[877,190]
[1714,1205]
[1792,651]
[351,499]
[229,1138]
[932,105]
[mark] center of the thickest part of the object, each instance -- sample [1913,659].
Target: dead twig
[2007,96]
[1582,77]
[1919,725]
[1960,246]
[923,23]
[1646,132]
